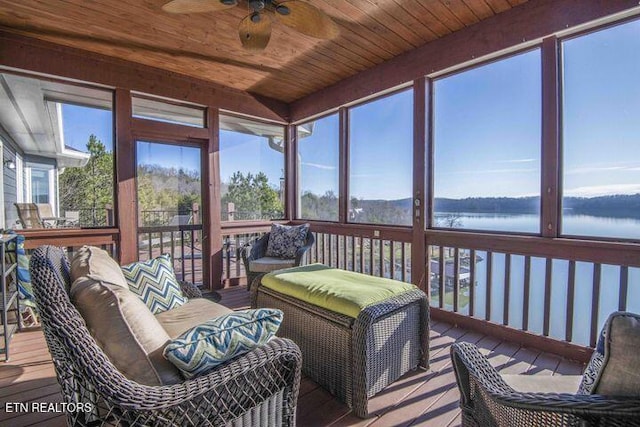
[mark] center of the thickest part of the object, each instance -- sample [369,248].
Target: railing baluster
[338,257]
[361,239]
[624,287]
[372,255]
[182,252]
[345,252]
[442,276]
[548,276]
[487,302]
[315,248]
[162,244]
[571,289]
[330,247]
[595,303]
[392,260]
[235,255]
[353,253]
[173,249]
[456,278]
[472,280]
[382,269]
[193,258]
[403,256]
[150,246]
[527,293]
[507,288]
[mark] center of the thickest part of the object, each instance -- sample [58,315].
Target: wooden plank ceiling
[206,45]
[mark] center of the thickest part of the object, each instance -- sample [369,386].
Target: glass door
[169,193]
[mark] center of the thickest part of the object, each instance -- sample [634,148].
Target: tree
[253,197]
[89,188]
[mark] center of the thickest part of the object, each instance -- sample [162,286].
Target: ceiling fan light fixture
[229,2]
[255,17]
[283,10]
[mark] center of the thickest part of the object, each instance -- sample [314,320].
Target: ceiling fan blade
[306,19]
[197,6]
[255,31]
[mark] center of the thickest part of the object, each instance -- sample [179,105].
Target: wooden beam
[418,244]
[506,333]
[29,54]
[533,20]
[212,218]
[125,175]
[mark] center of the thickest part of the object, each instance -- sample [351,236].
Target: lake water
[575,225]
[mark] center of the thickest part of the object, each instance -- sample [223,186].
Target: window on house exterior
[251,169]
[381,160]
[600,143]
[318,169]
[487,145]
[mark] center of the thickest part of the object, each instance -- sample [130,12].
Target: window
[169,184]
[381,160]
[66,159]
[86,179]
[145,107]
[318,164]
[487,145]
[601,149]
[41,184]
[251,169]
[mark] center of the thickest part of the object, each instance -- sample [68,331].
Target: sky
[78,123]
[487,131]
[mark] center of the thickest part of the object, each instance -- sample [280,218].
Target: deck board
[419,398]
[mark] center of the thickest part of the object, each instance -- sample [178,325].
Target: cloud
[490,171]
[604,168]
[603,190]
[517,161]
[319,166]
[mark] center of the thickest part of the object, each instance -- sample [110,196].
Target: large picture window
[381,160]
[251,169]
[487,137]
[601,148]
[318,164]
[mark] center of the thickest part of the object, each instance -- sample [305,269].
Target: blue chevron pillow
[155,283]
[202,348]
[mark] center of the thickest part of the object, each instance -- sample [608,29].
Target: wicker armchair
[487,400]
[258,388]
[257,249]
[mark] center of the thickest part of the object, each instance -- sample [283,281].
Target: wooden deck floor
[419,398]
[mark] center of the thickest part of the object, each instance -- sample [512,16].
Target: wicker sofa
[257,388]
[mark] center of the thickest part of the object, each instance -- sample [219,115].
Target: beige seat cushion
[119,321]
[543,383]
[193,313]
[268,264]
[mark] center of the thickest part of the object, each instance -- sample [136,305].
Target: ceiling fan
[255,28]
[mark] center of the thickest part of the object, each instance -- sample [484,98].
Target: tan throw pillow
[95,263]
[613,369]
[125,329]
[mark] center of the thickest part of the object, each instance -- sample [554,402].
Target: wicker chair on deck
[256,263]
[488,398]
[258,388]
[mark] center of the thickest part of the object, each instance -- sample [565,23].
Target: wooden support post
[125,172]
[212,215]
[418,243]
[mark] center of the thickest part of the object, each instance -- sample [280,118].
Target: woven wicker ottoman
[354,358]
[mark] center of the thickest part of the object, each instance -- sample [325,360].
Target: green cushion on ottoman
[340,291]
